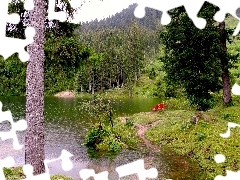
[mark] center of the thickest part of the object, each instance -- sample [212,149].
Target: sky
[99,9]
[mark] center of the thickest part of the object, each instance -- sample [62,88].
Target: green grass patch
[127,132]
[199,142]
[144,118]
[16,173]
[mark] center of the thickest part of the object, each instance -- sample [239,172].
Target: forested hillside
[123,19]
[120,52]
[92,57]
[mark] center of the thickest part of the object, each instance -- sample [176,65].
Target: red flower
[159,107]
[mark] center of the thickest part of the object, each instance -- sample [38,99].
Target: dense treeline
[124,53]
[151,20]
[86,60]
[121,51]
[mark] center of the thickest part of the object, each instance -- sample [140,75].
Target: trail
[141,133]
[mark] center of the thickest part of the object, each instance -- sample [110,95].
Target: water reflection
[65,128]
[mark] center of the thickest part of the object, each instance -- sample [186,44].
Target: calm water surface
[65,129]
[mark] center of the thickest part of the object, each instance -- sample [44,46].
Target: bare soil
[141,133]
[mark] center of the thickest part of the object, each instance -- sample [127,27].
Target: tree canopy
[193,56]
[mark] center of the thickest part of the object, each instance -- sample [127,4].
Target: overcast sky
[100,9]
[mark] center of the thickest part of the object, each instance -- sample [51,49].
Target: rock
[65,94]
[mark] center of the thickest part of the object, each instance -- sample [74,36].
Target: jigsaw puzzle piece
[226,8]
[66,165]
[13,18]
[20,125]
[237,30]
[192,8]
[28,5]
[236,88]
[231,175]
[6,115]
[230,125]
[87,173]
[65,156]
[4,16]
[137,167]
[13,45]
[28,171]
[61,16]
[6,162]
[163,6]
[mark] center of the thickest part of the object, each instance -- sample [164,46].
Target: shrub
[102,138]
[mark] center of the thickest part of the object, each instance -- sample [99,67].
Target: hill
[124,18]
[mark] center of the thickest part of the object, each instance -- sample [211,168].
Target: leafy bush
[177,103]
[12,76]
[101,138]
[98,109]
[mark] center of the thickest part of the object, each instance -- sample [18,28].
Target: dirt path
[141,133]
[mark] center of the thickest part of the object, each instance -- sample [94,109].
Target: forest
[117,52]
[90,60]
[190,70]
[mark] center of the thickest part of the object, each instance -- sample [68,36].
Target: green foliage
[200,142]
[63,56]
[98,109]
[60,177]
[12,76]
[107,134]
[129,123]
[126,60]
[124,51]
[185,126]
[101,136]
[200,136]
[13,173]
[192,56]
[16,173]
[177,103]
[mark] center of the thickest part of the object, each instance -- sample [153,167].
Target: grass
[127,132]
[200,142]
[111,93]
[16,173]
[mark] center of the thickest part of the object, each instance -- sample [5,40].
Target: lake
[65,128]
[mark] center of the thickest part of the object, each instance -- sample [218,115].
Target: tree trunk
[90,86]
[93,80]
[93,85]
[56,22]
[81,88]
[34,139]
[227,97]
[118,81]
